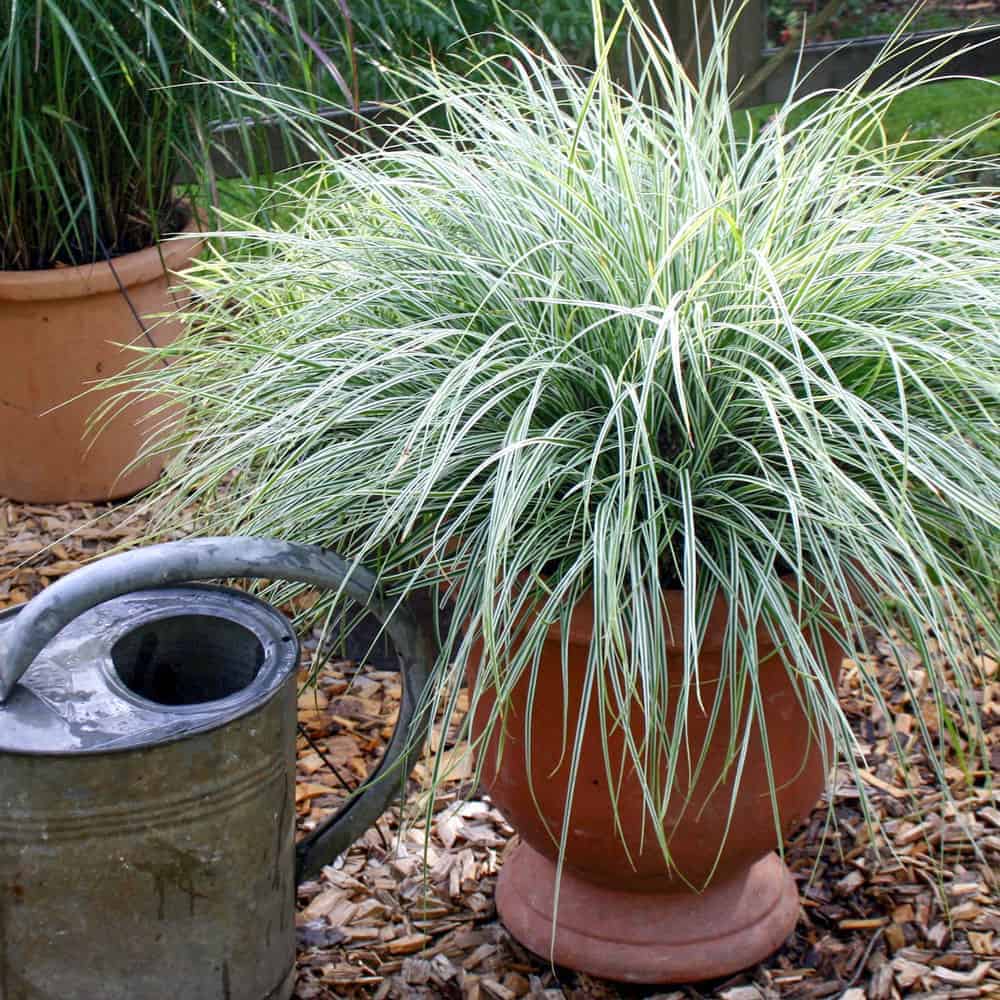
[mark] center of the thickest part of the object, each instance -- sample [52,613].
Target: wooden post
[686,27]
[749,38]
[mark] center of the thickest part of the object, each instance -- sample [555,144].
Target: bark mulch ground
[907,905]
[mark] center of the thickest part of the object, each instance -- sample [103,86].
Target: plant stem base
[648,937]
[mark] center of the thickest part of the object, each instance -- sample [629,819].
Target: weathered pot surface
[622,912]
[61,331]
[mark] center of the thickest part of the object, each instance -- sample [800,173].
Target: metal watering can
[147,775]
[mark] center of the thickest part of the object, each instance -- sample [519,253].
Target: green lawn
[935,110]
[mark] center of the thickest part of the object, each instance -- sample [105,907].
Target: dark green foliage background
[438,26]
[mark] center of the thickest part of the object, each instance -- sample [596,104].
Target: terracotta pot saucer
[656,937]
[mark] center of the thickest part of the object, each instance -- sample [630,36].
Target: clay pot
[61,330]
[622,914]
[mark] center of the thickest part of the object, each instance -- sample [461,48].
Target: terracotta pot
[622,914]
[61,330]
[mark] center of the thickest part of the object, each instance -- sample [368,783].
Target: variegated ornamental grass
[573,342]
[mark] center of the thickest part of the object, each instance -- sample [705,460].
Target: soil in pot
[620,911]
[62,330]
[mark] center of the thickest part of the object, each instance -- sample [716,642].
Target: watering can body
[147,775]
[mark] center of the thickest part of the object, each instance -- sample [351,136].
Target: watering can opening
[147,668]
[189,659]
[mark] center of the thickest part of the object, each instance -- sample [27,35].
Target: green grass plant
[577,343]
[104,104]
[932,112]
[416,26]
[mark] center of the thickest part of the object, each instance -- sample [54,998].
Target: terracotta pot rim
[102,277]
[581,623]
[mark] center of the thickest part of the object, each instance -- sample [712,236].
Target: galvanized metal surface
[211,558]
[150,868]
[146,813]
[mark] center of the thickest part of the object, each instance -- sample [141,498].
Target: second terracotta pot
[622,913]
[61,331]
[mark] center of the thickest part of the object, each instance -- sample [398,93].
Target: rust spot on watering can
[177,869]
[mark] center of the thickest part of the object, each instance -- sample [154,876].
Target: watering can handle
[259,558]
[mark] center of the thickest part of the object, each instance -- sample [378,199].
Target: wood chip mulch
[907,905]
